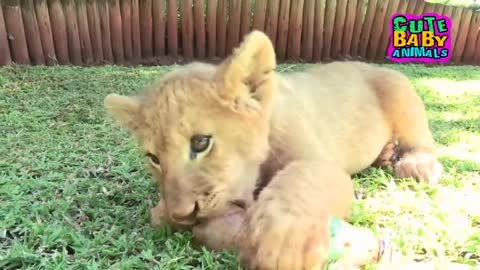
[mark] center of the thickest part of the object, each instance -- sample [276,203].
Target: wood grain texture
[222,9]
[199,25]
[295,31]
[136,29]
[460,42]
[95,31]
[271,21]
[260,14]
[246,18]
[72,33]
[187,28]
[45,31]
[338,27]
[32,33]
[318,32]
[84,32]
[159,18]
[367,26]
[146,26]
[348,27]
[283,25]
[328,34]
[126,13]
[172,30]
[234,21]
[116,31]
[105,31]
[5,57]
[307,30]
[15,32]
[211,28]
[357,28]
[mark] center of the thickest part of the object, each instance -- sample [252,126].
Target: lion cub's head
[204,128]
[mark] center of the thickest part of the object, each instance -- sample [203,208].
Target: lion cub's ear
[124,109]
[248,74]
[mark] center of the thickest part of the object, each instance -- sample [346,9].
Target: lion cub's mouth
[237,204]
[240,203]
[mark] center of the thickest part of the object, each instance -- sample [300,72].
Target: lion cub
[210,133]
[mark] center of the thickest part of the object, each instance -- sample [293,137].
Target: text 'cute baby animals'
[424,38]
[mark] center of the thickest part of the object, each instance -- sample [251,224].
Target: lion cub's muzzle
[184,214]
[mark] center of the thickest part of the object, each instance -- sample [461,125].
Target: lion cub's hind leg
[388,157]
[406,114]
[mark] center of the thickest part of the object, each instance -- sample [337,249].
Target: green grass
[74,192]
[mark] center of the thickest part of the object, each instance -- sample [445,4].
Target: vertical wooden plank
[367,26]
[271,22]
[116,31]
[199,17]
[172,30]
[146,26]
[328,28]
[126,10]
[377,28]
[307,30]
[448,11]
[348,27]
[45,30]
[246,18]
[5,57]
[95,30]
[438,8]
[84,31]
[381,52]
[103,12]
[473,34]
[32,33]
[283,23]
[233,33]
[158,14]
[221,27]
[477,52]
[339,25]
[456,18]
[429,7]
[211,28]
[136,39]
[402,7]
[72,33]
[357,29]
[295,31]
[460,43]
[411,6]
[15,32]
[187,28]
[318,39]
[419,7]
[260,14]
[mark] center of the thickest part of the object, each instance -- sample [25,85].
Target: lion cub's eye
[200,143]
[154,159]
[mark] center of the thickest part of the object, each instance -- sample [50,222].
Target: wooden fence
[88,32]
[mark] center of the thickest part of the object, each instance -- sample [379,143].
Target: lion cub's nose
[184,213]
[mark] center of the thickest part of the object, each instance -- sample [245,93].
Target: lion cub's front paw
[157,215]
[421,166]
[284,241]
[221,232]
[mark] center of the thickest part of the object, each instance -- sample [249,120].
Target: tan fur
[303,132]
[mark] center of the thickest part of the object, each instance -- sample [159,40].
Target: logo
[424,38]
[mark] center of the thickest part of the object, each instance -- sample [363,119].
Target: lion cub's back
[336,104]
